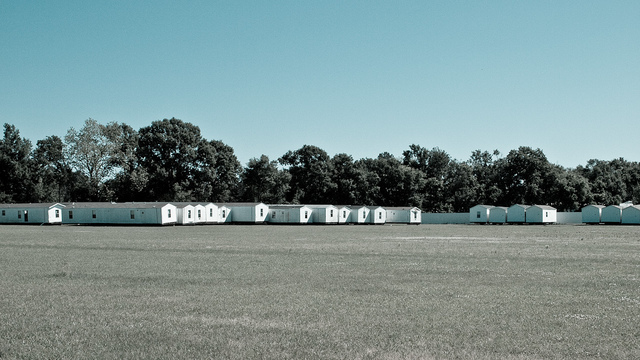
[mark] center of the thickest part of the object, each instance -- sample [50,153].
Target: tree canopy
[170,160]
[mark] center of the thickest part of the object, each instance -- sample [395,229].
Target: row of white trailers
[169,213]
[543,214]
[515,214]
[612,214]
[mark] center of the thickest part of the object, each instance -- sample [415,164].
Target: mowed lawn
[326,292]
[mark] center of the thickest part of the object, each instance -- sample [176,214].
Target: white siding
[541,214]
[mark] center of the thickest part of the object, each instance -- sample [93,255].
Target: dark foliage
[170,161]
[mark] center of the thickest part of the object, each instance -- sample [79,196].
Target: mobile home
[344,214]
[498,214]
[403,215]
[592,214]
[106,213]
[541,214]
[247,213]
[377,215]
[631,215]
[186,213]
[611,214]
[324,214]
[290,214]
[45,213]
[210,213]
[224,214]
[517,213]
[198,214]
[479,214]
[359,214]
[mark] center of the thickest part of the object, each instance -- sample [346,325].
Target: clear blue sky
[355,77]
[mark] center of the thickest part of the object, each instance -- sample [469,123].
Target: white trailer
[541,214]
[44,213]
[479,214]
[290,214]
[403,215]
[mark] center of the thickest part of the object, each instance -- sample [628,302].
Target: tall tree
[177,161]
[51,173]
[485,172]
[461,187]
[433,166]
[347,178]
[90,151]
[525,176]
[15,162]
[398,184]
[310,171]
[570,191]
[130,179]
[226,173]
[262,181]
[609,180]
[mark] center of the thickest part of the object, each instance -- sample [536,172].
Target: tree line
[170,160]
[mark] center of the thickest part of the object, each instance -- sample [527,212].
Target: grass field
[330,292]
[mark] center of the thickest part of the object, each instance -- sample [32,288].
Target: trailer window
[188,214]
[19,214]
[331,213]
[3,213]
[306,214]
[478,215]
[344,214]
[70,214]
[132,214]
[199,214]
[169,213]
[224,213]
[93,214]
[210,212]
[57,214]
[261,212]
[273,215]
[364,215]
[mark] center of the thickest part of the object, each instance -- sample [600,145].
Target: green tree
[433,166]
[15,161]
[176,160]
[262,181]
[130,179]
[51,174]
[397,184]
[226,168]
[91,151]
[461,187]
[611,182]
[525,176]
[486,175]
[347,178]
[310,171]
[570,190]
